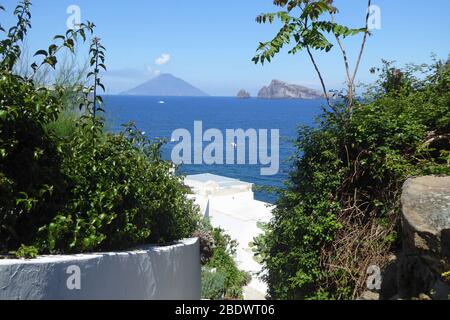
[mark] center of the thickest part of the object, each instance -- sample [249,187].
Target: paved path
[252,294]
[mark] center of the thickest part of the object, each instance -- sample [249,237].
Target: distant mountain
[243,94]
[166,85]
[282,90]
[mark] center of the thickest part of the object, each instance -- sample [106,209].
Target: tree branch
[434,138]
[366,33]
[324,88]
[350,80]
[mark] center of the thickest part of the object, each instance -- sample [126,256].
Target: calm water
[160,120]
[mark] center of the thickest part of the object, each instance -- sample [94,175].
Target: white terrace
[230,205]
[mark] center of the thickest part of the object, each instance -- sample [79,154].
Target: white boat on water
[161,102]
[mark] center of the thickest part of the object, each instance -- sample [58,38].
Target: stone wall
[417,271]
[426,237]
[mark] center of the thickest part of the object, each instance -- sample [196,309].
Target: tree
[304,23]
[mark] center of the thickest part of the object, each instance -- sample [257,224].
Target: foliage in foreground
[213,284]
[340,213]
[121,195]
[76,189]
[221,277]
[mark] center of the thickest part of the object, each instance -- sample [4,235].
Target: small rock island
[243,94]
[283,90]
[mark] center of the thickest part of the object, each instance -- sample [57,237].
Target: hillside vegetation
[340,213]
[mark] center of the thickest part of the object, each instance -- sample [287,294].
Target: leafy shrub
[121,195]
[222,260]
[213,284]
[32,184]
[218,253]
[66,186]
[64,127]
[340,212]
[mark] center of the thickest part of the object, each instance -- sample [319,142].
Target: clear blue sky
[211,43]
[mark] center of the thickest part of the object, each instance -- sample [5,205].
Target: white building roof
[223,182]
[210,184]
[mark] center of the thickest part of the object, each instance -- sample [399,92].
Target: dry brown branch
[359,244]
[436,138]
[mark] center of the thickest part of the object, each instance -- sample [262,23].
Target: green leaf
[41,53]
[51,61]
[52,49]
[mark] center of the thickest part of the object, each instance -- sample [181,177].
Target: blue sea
[159,120]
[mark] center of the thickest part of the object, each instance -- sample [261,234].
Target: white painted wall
[153,273]
[230,205]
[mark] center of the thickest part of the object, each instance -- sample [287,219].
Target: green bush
[64,127]
[121,195]
[222,260]
[218,252]
[340,212]
[213,284]
[32,185]
[66,186]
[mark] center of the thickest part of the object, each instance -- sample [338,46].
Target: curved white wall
[153,273]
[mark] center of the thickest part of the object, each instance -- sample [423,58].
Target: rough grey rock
[426,237]
[426,217]
[243,94]
[389,286]
[282,90]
